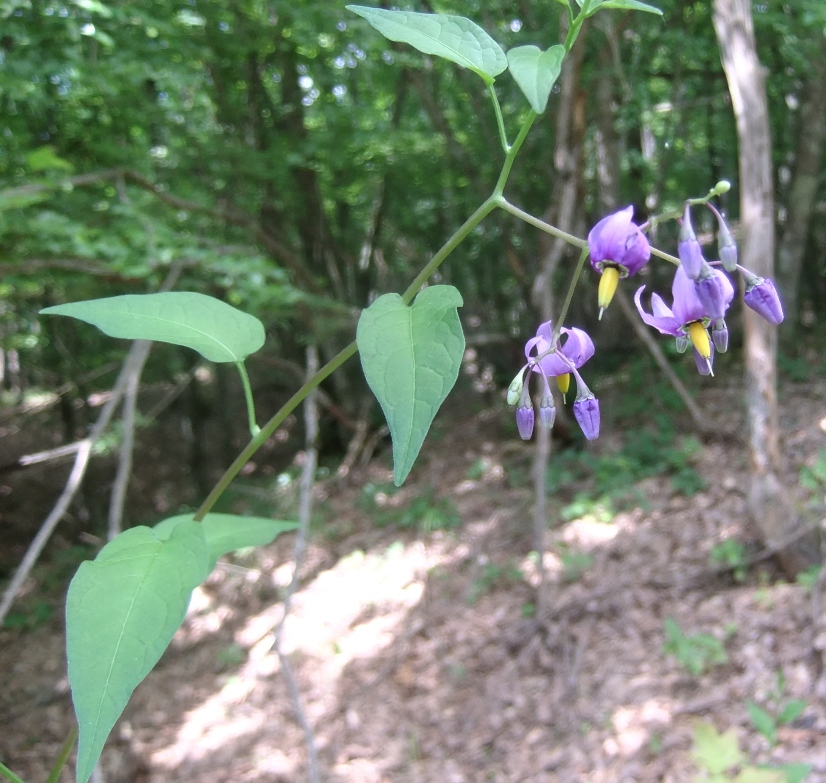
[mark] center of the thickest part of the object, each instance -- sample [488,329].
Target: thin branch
[127,446]
[659,357]
[304,512]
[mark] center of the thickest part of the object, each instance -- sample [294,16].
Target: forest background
[287,159]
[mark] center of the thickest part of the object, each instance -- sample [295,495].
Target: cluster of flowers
[701,295]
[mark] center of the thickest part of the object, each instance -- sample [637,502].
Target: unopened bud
[682,344]
[515,389]
[547,411]
[709,290]
[723,186]
[719,334]
[761,296]
[688,248]
[524,420]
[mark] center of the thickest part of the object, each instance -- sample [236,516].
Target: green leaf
[795,773]
[215,329]
[629,5]
[763,722]
[535,72]
[792,711]
[45,158]
[452,37]
[759,775]
[411,358]
[122,610]
[228,532]
[715,752]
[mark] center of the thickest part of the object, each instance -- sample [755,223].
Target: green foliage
[808,577]
[229,532]
[536,72]
[218,331]
[423,513]
[732,554]
[814,478]
[494,575]
[40,613]
[452,37]
[121,613]
[696,653]
[778,711]
[411,358]
[574,563]
[721,761]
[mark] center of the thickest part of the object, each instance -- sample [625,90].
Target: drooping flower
[618,249]
[688,248]
[688,317]
[761,296]
[574,351]
[524,419]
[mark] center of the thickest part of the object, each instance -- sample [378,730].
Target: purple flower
[688,318]
[574,352]
[761,296]
[705,366]
[618,249]
[688,248]
[616,241]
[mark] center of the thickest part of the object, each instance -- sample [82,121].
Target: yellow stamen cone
[699,337]
[607,287]
[564,383]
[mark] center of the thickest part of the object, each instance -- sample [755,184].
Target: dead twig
[305,505]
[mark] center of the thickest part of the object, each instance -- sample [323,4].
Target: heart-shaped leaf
[536,72]
[122,610]
[454,38]
[628,5]
[218,331]
[228,532]
[411,358]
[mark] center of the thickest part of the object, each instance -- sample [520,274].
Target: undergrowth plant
[123,608]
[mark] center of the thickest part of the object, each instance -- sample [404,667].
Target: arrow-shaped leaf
[454,38]
[228,532]
[218,331]
[536,72]
[122,610]
[411,358]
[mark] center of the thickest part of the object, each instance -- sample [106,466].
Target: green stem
[9,775]
[541,224]
[65,751]
[666,256]
[569,296]
[270,427]
[245,380]
[511,156]
[503,136]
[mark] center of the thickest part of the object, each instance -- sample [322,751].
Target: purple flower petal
[663,319]
[575,345]
[616,240]
[687,306]
[704,367]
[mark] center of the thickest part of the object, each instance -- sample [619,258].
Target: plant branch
[245,380]
[503,136]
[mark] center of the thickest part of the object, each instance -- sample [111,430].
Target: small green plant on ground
[731,553]
[719,759]
[778,712]
[696,653]
[813,478]
[808,578]
[574,563]
[494,574]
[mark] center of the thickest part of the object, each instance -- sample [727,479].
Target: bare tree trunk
[769,504]
[803,190]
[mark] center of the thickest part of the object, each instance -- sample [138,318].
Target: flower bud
[682,344]
[709,289]
[515,389]
[524,420]
[761,296]
[586,412]
[719,334]
[688,248]
[726,245]
[723,186]
[547,410]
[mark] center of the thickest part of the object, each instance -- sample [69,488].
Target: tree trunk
[769,504]
[803,190]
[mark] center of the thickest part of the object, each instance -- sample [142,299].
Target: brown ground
[420,656]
